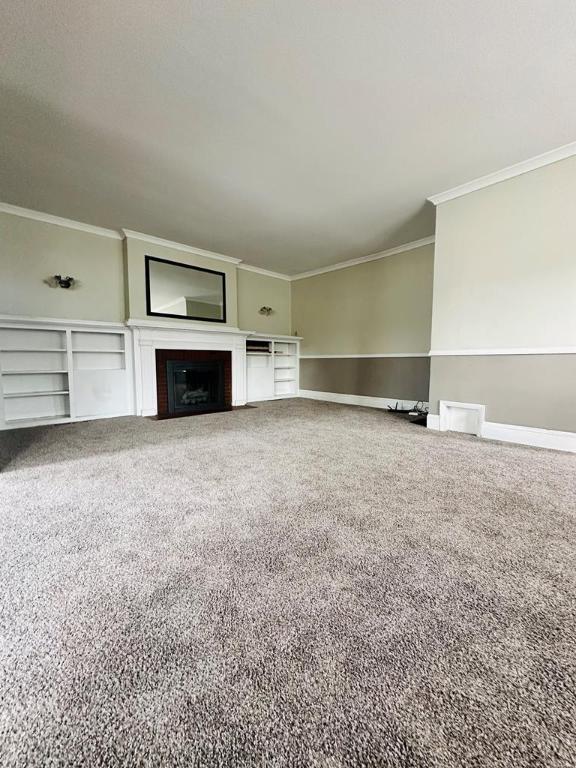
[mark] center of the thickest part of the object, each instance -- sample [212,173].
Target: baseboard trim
[541,438]
[553,439]
[364,400]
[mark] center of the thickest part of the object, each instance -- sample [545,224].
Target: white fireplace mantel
[148,336]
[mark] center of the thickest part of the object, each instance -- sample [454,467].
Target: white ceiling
[290,134]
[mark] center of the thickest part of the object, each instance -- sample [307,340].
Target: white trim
[48,218]
[266,272]
[503,351]
[18,320]
[179,246]
[364,400]
[512,433]
[364,259]
[541,438]
[273,336]
[554,156]
[216,328]
[353,357]
[448,406]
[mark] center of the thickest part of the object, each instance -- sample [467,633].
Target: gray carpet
[299,584]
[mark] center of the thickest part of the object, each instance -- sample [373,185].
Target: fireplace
[193,381]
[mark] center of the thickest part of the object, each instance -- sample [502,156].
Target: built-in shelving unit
[272,367]
[52,373]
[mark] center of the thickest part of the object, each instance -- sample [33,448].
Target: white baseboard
[541,438]
[365,400]
[512,433]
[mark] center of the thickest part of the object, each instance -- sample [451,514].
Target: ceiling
[290,134]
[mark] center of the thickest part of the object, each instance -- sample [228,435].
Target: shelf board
[284,367]
[31,349]
[259,354]
[27,373]
[9,395]
[101,351]
[278,381]
[35,421]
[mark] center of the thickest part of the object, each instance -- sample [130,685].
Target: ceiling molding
[179,246]
[547,158]
[364,259]
[267,272]
[48,218]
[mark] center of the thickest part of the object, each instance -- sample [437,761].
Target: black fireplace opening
[194,387]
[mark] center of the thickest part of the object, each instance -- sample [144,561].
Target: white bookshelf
[272,367]
[53,372]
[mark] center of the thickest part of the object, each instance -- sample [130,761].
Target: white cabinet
[272,367]
[259,376]
[55,372]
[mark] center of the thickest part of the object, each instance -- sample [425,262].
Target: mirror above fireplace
[185,292]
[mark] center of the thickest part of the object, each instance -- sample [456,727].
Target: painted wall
[381,307]
[527,390]
[135,251]
[505,278]
[400,378]
[256,290]
[505,270]
[31,251]
[112,278]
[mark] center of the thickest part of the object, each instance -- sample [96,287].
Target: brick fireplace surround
[190,355]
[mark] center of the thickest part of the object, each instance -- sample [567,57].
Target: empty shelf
[27,373]
[35,394]
[100,351]
[30,349]
[34,420]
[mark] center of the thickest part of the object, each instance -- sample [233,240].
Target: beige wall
[256,290]
[136,250]
[112,278]
[31,251]
[505,278]
[527,390]
[378,307]
[505,267]
[398,378]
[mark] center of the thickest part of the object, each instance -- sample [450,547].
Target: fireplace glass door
[195,386]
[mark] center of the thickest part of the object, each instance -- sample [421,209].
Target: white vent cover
[461,417]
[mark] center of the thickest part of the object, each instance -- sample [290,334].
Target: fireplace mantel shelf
[166,325]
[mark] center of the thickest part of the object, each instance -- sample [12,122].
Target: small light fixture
[57,281]
[265,311]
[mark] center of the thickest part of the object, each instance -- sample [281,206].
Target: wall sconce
[265,311]
[57,281]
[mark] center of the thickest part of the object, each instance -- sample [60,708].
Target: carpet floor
[297,584]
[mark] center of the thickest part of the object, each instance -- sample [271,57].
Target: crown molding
[267,272]
[547,158]
[179,246]
[48,218]
[364,259]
